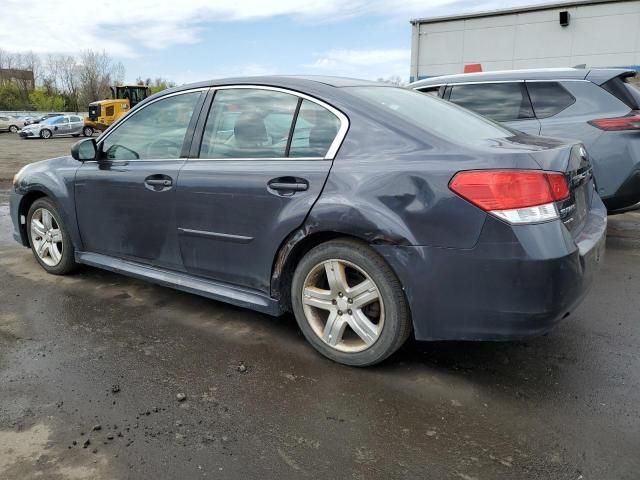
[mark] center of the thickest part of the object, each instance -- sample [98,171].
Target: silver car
[598,106]
[10,124]
[55,127]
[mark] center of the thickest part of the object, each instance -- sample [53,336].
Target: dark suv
[598,107]
[367,210]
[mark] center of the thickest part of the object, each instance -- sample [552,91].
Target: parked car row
[47,126]
[598,107]
[371,212]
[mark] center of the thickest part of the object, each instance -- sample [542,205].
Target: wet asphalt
[99,350]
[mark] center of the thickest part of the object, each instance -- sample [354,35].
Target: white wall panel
[599,35]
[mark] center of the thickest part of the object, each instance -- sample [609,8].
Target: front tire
[349,304]
[49,238]
[45,134]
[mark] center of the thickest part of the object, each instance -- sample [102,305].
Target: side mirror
[84,150]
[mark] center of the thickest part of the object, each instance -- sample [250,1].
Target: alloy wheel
[46,237]
[343,305]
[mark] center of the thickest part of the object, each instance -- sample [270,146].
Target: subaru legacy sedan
[599,107]
[371,212]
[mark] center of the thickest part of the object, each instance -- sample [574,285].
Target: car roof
[596,75]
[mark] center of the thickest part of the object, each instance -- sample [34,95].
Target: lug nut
[350,300]
[340,294]
[334,301]
[349,312]
[339,312]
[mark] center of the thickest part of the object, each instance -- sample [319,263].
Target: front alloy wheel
[46,237]
[349,304]
[49,239]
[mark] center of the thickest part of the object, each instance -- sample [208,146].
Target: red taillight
[493,190]
[628,122]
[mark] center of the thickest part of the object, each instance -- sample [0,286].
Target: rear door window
[248,123]
[501,102]
[549,98]
[257,123]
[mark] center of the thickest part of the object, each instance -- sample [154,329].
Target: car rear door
[125,201]
[264,156]
[504,102]
[75,125]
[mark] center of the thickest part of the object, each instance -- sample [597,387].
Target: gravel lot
[97,360]
[16,152]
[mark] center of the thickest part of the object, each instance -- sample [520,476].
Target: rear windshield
[623,89]
[433,114]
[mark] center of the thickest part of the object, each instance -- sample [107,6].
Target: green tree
[45,101]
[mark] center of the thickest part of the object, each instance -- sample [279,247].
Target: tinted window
[548,98]
[154,132]
[248,123]
[499,101]
[432,114]
[316,128]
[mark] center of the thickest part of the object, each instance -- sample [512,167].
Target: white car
[10,124]
[56,126]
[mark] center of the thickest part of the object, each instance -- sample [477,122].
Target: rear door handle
[289,184]
[158,183]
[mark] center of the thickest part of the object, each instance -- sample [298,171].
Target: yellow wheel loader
[104,113]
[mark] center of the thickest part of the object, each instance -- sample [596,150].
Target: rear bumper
[516,282]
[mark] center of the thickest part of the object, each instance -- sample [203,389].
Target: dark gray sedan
[371,212]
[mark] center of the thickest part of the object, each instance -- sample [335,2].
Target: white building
[597,33]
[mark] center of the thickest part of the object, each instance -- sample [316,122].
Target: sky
[191,40]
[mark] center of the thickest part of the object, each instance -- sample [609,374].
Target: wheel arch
[291,251]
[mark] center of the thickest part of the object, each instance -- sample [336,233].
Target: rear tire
[87,131]
[45,134]
[49,238]
[13,129]
[349,304]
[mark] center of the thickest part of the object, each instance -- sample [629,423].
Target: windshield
[433,114]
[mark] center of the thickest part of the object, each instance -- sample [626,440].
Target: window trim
[331,152]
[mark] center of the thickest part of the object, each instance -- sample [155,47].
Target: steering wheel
[163,148]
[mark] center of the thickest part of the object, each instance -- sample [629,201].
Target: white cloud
[372,64]
[121,26]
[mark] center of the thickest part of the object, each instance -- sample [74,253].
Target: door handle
[288,184]
[158,183]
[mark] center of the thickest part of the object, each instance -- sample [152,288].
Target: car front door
[125,201]
[504,102]
[263,161]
